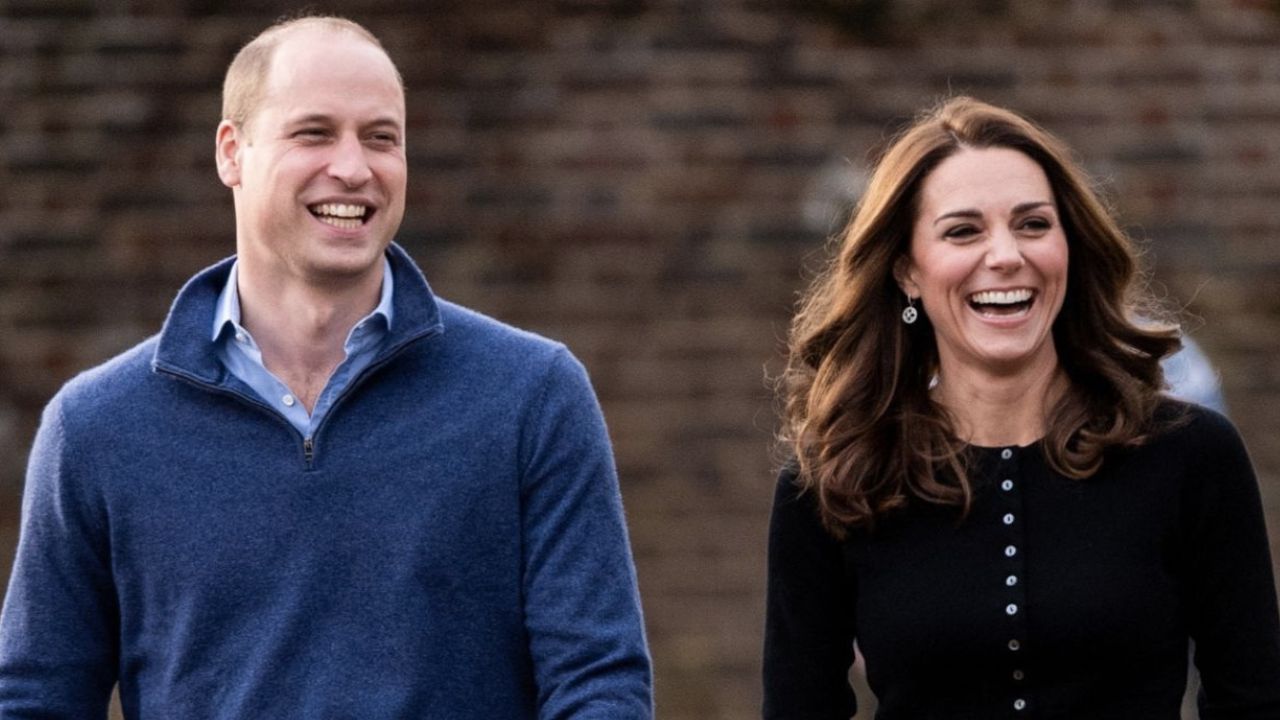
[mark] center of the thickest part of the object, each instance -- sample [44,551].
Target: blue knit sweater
[450,545]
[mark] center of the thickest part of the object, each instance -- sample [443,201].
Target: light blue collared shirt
[243,358]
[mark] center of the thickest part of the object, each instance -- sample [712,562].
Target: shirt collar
[182,347]
[385,307]
[227,310]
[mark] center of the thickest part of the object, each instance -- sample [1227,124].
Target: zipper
[308,443]
[308,447]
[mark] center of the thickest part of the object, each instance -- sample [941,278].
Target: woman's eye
[1037,224]
[961,232]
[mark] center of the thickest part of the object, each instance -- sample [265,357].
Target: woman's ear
[903,274]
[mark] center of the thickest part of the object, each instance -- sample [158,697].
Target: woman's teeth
[1001,302]
[1000,297]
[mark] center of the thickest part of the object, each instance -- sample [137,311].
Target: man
[320,491]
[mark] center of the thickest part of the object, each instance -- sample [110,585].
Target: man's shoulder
[476,348]
[119,379]
[475,331]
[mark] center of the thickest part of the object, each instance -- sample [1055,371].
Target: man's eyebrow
[320,118]
[973,213]
[323,119]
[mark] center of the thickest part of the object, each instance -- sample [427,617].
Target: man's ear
[226,153]
[904,274]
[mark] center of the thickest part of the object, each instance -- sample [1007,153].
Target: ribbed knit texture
[452,546]
[1055,598]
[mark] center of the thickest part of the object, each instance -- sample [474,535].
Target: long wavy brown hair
[858,417]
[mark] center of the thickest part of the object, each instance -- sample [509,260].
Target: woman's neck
[994,410]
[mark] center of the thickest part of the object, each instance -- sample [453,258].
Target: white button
[1014,645]
[240,337]
[1019,704]
[1008,518]
[1007,485]
[288,400]
[1011,609]
[1006,453]
[1018,675]
[1011,580]
[1010,551]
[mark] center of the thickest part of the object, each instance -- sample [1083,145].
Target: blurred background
[652,182]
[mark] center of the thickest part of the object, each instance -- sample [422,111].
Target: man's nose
[348,163]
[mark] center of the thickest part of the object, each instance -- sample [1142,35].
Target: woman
[990,493]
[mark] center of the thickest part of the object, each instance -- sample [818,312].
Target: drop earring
[909,313]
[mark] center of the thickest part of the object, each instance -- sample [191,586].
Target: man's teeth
[1000,297]
[340,215]
[344,223]
[340,210]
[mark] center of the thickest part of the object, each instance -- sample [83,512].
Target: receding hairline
[246,79]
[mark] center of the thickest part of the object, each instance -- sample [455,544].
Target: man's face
[318,171]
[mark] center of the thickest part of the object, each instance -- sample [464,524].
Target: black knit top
[1055,598]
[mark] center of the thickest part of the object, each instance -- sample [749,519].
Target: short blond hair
[246,79]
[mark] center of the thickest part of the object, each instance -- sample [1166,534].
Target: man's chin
[346,266]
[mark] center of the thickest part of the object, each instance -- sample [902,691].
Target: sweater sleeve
[1233,615]
[58,628]
[581,602]
[809,615]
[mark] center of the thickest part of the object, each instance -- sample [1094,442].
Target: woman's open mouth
[1002,303]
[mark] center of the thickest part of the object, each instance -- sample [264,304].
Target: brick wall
[645,181]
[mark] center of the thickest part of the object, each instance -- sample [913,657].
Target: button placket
[1012,553]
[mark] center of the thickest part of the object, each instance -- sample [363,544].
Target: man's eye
[310,133]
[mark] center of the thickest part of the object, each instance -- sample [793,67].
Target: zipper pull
[308,450]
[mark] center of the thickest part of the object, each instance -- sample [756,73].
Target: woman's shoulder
[1193,442]
[790,490]
[1179,423]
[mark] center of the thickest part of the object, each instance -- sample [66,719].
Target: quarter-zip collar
[184,346]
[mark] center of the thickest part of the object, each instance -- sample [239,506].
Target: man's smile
[342,215]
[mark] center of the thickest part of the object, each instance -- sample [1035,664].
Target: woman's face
[988,262]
